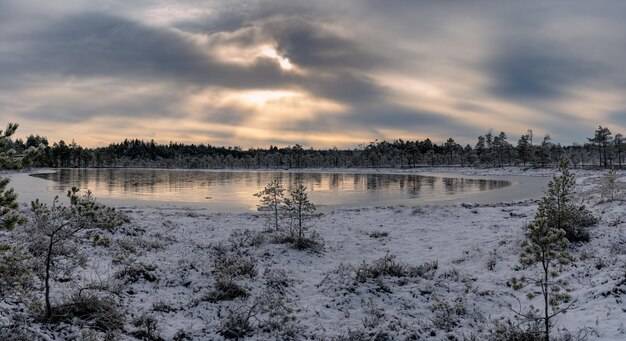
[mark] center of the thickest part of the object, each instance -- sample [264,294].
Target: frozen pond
[232,191]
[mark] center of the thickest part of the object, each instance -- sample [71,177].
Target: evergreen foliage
[610,185]
[95,213]
[491,150]
[557,208]
[546,249]
[16,275]
[9,215]
[271,199]
[300,211]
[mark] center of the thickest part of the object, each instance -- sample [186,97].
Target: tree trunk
[47,280]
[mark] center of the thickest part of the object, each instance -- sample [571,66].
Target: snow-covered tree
[271,199]
[557,208]
[610,185]
[9,215]
[55,233]
[546,250]
[300,211]
[9,158]
[53,237]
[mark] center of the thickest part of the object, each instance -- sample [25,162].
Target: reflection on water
[233,191]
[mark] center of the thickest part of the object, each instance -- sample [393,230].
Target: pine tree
[300,211]
[610,185]
[9,215]
[546,249]
[53,238]
[9,159]
[557,208]
[272,198]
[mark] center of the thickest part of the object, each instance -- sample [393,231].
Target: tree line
[603,149]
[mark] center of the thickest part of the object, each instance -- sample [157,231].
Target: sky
[318,73]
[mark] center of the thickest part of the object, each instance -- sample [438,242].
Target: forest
[602,150]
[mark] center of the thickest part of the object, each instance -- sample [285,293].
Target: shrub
[509,331]
[100,313]
[277,280]
[237,323]
[134,272]
[228,267]
[16,273]
[378,234]
[245,238]
[226,291]
[447,315]
[98,214]
[147,328]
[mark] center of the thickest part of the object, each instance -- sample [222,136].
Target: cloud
[413,69]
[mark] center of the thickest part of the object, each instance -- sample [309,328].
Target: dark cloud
[538,71]
[531,57]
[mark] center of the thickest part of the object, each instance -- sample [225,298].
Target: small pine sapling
[9,216]
[94,212]
[271,198]
[53,237]
[300,211]
[559,210]
[610,185]
[545,249]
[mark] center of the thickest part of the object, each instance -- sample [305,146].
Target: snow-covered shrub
[98,214]
[385,266]
[373,316]
[226,291]
[378,234]
[509,331]
[147,328]
[101,240]
[277,280]
[17,329]
[87,308]
[245,238]
[182,335]
[447,314]
[312,242]
[228,267]
[16,272]
[162,307]
[237,322]
[135,271]
[276,316]
[388,266]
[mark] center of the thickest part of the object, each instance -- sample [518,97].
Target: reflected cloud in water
[232,190]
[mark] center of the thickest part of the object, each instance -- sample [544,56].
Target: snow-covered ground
[318,295]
